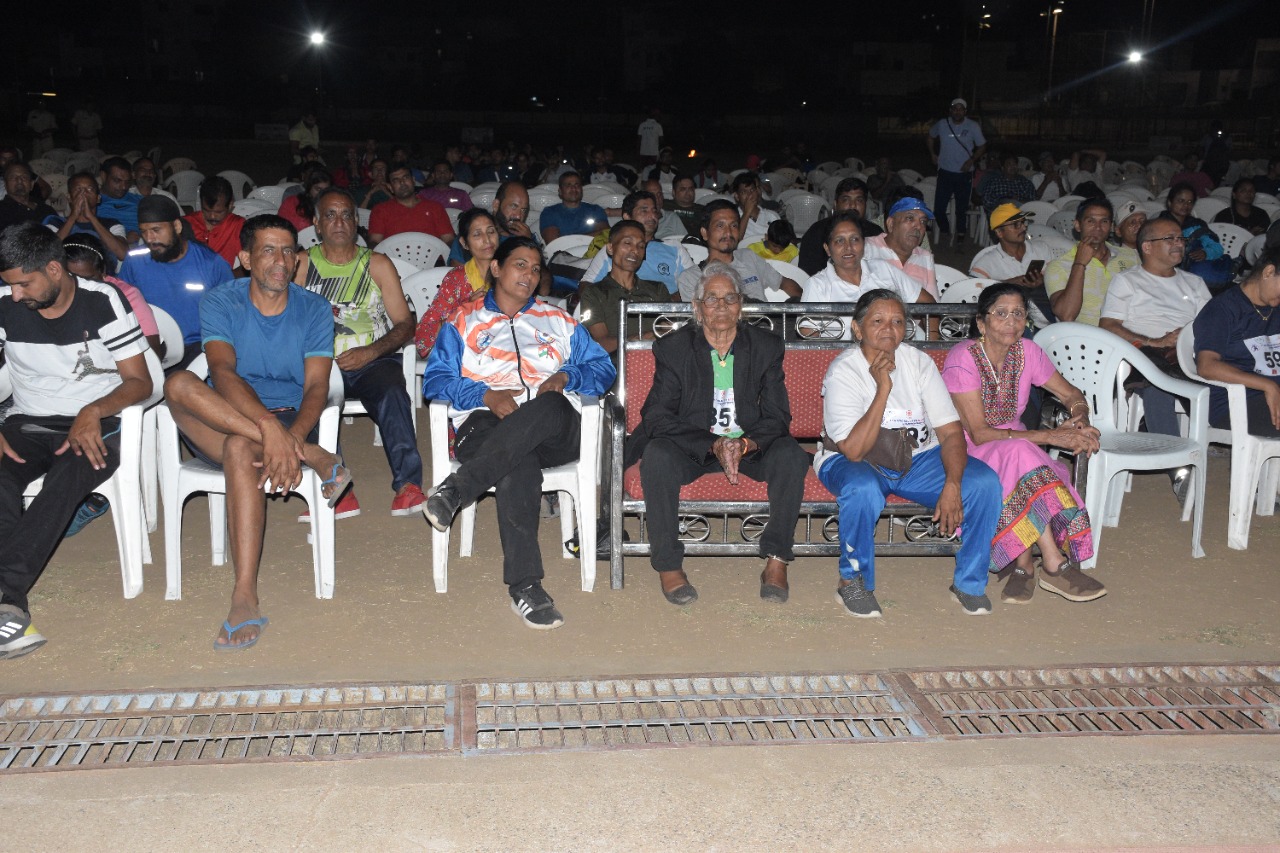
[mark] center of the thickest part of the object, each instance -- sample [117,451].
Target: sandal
[341,479]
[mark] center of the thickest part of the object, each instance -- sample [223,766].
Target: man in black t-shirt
[851,194]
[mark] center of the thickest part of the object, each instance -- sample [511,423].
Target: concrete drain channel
[153,728]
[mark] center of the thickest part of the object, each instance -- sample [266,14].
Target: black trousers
[1259,417]
[666,467]
[508,455]
[27,539]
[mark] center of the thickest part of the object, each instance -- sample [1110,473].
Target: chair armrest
[329,417]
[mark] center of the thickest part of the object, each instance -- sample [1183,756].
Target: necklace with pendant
[1266,318]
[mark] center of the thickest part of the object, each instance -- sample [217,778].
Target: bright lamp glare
[1135,56]
[317,38]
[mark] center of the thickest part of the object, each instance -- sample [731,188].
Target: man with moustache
[722,232]
[900,244]
[117,202]
[269,345]
[174,273]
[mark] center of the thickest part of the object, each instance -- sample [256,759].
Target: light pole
[1054,14]
[317,42]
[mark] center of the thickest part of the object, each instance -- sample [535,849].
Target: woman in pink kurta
[990,380]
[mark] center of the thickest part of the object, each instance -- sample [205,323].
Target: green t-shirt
[726,410]
[599,301]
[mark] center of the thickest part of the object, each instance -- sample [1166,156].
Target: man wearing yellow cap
[1014,257]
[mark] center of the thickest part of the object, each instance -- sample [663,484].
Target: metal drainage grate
[470,718]
[731,709]
[1099,700]
[112,730]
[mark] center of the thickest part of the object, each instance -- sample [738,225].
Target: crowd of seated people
[226,280]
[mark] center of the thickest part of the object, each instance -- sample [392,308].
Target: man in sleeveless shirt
[372,322]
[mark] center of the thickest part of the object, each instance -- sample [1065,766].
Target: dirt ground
[386,622]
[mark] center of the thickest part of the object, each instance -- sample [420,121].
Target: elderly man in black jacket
[718,404]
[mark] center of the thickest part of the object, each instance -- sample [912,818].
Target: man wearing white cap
[1014,258]
[955,144]
[1130,217]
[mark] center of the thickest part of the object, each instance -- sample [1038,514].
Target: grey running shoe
[17,635]
[858,600]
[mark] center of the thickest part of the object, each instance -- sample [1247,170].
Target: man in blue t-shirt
[175,273]
[117,202]
[572,215]
[269,345]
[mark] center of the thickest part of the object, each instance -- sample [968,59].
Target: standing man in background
[650,133]
[955,145]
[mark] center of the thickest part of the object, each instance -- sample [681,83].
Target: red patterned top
[460,286]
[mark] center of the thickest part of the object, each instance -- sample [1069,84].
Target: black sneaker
[532,604]
[974,605]
[17,635]
[858,600]
[442,504]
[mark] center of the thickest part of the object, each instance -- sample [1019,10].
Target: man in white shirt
[1014,258]
[956,145]
[722,233]
[650,135]
[1086,167]
[1148,306]
[755,218]
[900,244]
[1050,183]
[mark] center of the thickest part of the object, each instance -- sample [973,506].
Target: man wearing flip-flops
[269,346]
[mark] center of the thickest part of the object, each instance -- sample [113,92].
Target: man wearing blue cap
[955,143]
[900,244]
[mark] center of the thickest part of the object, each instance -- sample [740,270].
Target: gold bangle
[1079,403]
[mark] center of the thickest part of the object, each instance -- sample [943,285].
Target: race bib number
[726,413]
[910,420]
[1265,350]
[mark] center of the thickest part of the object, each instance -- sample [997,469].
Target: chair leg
[218,527]
[440,559]
[1244,484]
[1096,503]
[322,540]
[1197,517]
[466,530]
[172,542]
[587,510]
[150,492]
[569,516]
[1269,481]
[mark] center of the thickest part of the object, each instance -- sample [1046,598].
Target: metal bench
[717,518]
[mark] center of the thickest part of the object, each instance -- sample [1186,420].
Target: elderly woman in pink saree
[990,381]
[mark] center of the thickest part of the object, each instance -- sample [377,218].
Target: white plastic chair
[123,489]
[1220,192]
[176,164]
[1255,461]
[84,161]
[578,480]
[250,207]
[965,291]
[461,185]
[804,209]
[421,250]
[1253,249]
[171,336]
[1232,237]
[308,237]
[420,289]
[790,271]
[241,184]
[1063,222]
[180,478]
[273,196]
[947,276]
[698,253]
[1209,207]
[482,196]
[185,186]
[1041,210]
[1068,202]
[1092,359]
[574,243]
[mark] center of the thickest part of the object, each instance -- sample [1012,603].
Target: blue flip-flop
[261,622]
[335,480]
